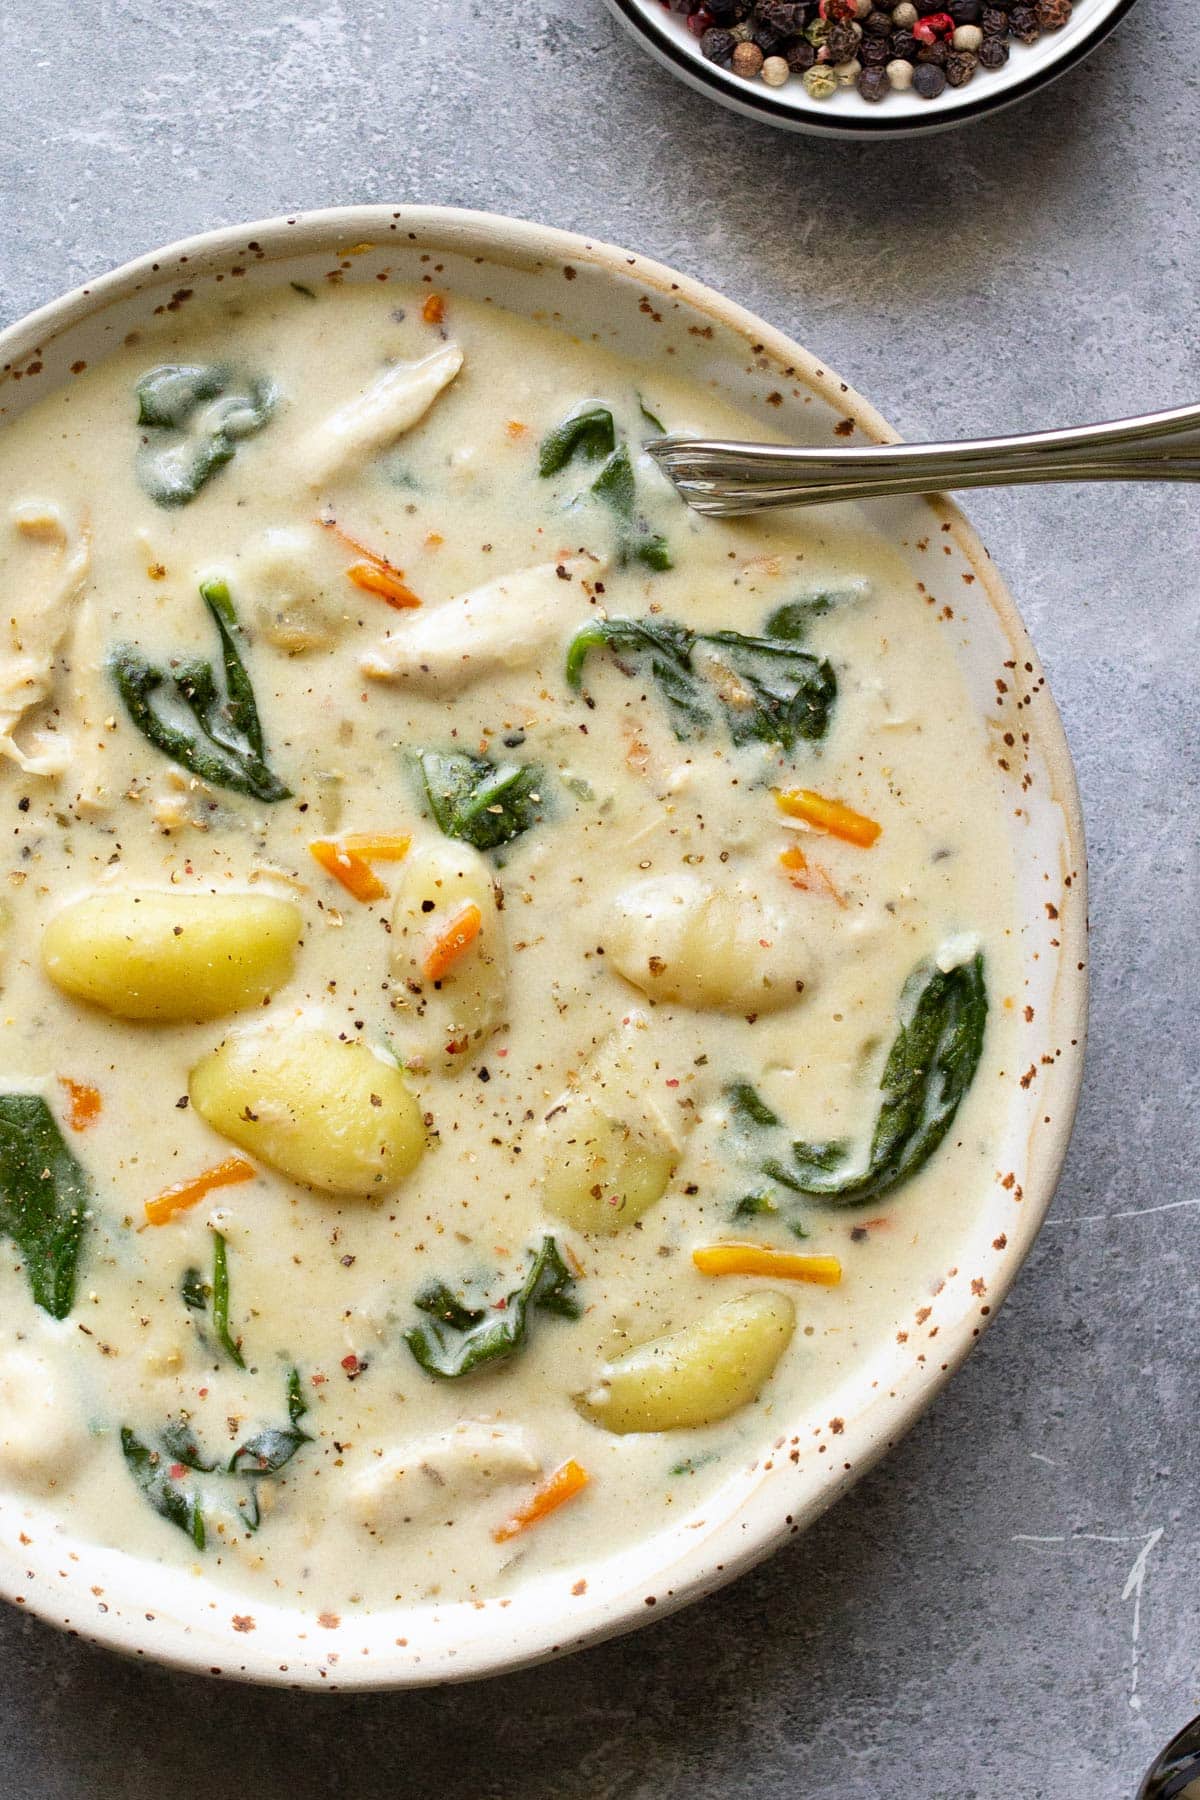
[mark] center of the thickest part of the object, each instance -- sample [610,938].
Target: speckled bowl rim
[754,100]
[162,1614]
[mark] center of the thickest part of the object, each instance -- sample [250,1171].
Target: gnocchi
[699,1374]
[609,1151]
[449,1016]
[154,955]
[328,1113]
[680,938]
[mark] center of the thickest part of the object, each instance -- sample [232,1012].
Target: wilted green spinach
[478,800]
[44,1198]
[222,740]
[193,417]
[462,1338]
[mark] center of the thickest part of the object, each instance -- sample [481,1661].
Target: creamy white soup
[505,982]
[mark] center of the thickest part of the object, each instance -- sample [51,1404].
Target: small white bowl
[846,114]
[183,1618]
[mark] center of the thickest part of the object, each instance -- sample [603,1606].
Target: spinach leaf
[179,1442]
[637,542]
[220,1301]
[753,1206]
[174,1500]
[460,1339]
[193,1290]
[478,800]
[588,432]
[932,1062]
[270,1449]
[748,1106]
[223,741]
[650,417]
[194,417]
[44,1197]
[764,688]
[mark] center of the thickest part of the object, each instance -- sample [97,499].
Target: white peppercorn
[862,8]
[848,72]
[967,37]
[900,74]
[904,16]
[747,61]
[775,71]
[820,82]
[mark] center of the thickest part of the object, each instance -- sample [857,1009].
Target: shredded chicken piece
[42,593]
[374,419]
[506,624]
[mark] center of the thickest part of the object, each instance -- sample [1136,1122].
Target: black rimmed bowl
[846,114]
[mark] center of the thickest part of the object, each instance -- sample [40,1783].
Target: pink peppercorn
[699,22]
[932,27]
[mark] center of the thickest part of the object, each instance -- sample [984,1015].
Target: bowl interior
[666,34]
[646,311]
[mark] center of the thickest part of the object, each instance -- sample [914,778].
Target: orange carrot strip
[759,1259]
[434,309]
[516,428]
[385,582]
[375,573]
[808,876]
[450,943]
[554,1492]
[378,846]
[84,1101]
[828,815]
[354,874]
[177,1199]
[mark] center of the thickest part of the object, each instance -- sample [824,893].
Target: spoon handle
[724,478]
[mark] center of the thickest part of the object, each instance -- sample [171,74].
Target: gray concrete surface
[1006,1609]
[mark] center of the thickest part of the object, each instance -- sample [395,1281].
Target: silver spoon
[1175,1772]
[724,478]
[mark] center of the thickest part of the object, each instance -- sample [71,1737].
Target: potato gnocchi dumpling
[608,1147]
[329,1113]
[300,600]
[447,1015]
[41,1433]
[681,938]
[698,1375]
[149,954]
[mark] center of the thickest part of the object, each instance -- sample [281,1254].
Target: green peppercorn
[820,82]
[817,32]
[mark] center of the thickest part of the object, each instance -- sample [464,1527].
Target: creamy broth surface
[398,1483]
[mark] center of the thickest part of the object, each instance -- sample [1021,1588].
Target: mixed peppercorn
[922,45]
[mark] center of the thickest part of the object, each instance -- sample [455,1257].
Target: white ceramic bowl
[847,114]
[641,308]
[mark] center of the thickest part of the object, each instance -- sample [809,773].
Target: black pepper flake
[485,1074]
[23,803]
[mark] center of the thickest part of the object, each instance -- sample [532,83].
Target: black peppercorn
[935,53]
[841,41]
[874,53]
[877,24]
[873,84]
[905,46]
[965,12]
[800,56]
[1024,22]
[726,12]
[960,66]
[769,41]
[783,16]
[1053,14]
[994,22]
[718,46]
[928,80]
[993,53]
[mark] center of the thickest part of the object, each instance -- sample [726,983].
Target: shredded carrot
[434,309]
[450,943]
[516,428]
[434,540]
[177,1199]
[760,1259]
[355,875]
[375,574]
[808,875]
[386,582]
[377,846]
[554,1492]
[828,815]
[84,1102]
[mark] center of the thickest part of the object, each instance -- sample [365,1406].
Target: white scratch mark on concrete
[1141,1212]
[1036,1456]
[1134,1586]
